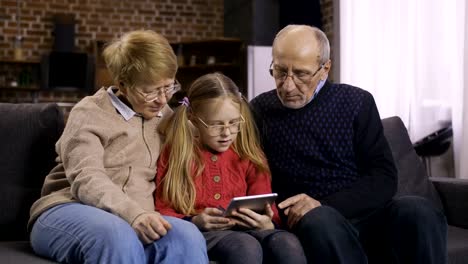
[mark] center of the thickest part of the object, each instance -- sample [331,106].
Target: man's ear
[326,69]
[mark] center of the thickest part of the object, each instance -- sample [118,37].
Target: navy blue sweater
[333,149]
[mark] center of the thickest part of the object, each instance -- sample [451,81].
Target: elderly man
[332,166]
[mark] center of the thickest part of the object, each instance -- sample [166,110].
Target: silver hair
[323,43]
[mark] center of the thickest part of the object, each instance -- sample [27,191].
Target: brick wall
[104,19]
[327,20]
[101,20]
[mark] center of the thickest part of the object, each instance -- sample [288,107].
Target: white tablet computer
[255,203]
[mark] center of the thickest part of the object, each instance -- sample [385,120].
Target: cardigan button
[217,196]
[216,178]
[214,158]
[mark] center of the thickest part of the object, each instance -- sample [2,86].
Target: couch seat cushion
[19,252]
[457,245]
[28,133]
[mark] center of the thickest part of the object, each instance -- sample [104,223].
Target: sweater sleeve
[260,183]
[375,164]
[81,149]
[163,207]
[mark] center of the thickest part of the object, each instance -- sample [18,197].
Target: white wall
[258,63]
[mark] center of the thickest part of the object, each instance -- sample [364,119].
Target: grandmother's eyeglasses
[155,95]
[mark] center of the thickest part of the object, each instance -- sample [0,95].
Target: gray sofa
[28,133]
[451,195]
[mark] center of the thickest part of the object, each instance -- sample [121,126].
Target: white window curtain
[460,109]
[412,56]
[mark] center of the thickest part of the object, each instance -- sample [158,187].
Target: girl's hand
[249,219]
[212,219]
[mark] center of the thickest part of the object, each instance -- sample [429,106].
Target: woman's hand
[212,219]
[150,227]
[249,219]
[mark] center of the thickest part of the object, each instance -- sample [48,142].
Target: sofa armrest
[454,196]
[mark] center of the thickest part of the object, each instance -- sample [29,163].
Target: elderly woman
[96,204]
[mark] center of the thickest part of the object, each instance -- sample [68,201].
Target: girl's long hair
[185,161]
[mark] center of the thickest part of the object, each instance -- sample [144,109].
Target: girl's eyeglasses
[216,130]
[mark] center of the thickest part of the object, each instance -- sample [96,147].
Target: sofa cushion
[457,245]
[412,177]
[28,133]
[20,252]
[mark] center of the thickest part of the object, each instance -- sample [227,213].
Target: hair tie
[185,101]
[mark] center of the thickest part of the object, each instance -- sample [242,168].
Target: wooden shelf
[208,66]
[20,88]
[227,54]
[216,41]
[12,61]
[19,75]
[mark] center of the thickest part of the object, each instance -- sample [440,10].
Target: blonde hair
[185,160]
[140,57]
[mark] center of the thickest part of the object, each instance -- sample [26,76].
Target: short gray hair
[323,43]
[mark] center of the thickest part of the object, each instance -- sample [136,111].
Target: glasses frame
[223,127]
[293,75]
[169,90]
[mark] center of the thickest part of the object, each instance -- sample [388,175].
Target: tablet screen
[255,203]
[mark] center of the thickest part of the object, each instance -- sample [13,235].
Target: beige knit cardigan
[104,161]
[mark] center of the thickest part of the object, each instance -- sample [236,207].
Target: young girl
[211,159]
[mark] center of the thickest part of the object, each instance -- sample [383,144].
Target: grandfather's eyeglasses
[298,76]
[216,130]
[155,95]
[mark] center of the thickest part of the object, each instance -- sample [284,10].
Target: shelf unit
[19,75]
[196,58]
[102,76]
[20,83]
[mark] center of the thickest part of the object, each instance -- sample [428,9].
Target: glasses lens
[235,128]
[298,78]
[301,79]
[167,91]
[219,129]
[279,75]
[153,96]
[216,130]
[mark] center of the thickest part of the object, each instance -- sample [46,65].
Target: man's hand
[212,219]
[150,227]
[297,206]
[249,219]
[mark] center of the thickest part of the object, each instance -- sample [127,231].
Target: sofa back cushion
[28,133]
[412,176]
